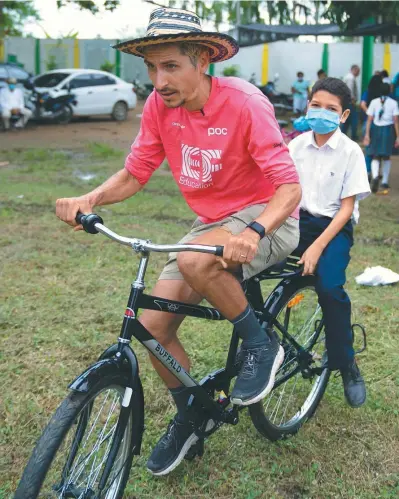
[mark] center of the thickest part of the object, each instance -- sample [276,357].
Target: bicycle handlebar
[93,224]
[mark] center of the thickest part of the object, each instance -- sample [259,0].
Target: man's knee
[5,113]
[195,264]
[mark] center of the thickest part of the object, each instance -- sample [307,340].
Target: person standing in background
[300,90]
[351,80]
[385,77]
[373,92]
[380,140]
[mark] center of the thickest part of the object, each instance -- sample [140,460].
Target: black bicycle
[88,447]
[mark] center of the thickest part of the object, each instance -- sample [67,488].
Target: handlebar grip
[219,250]
[88,221]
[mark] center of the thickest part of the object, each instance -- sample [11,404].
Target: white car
[97,92]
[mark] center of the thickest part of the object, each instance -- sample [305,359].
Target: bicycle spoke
[289,398]
[301,321]
[92,458]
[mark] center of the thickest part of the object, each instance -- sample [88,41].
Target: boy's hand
[397,142]
[366,140]
[310,258]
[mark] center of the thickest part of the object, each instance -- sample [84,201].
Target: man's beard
[174,106]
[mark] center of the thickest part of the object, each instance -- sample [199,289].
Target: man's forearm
[117,188]
[283,203]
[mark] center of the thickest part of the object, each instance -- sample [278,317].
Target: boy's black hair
[300,73]
[320,72]
[384,73]
[385,89]
[336,87]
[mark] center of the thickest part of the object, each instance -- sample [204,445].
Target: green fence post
[367,63]
[118,61]
[324,58]
[37,56]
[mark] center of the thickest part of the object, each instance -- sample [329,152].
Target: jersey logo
[198,166]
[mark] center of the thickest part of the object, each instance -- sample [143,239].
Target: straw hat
[168,25]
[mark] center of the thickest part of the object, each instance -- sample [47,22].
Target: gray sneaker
[257,374]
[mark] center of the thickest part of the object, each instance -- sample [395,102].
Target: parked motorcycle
[142,90]
[45,106]
[282,102]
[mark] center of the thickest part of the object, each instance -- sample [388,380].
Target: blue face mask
[12,86]
[322,121]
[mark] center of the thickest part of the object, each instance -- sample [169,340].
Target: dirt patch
[75,135]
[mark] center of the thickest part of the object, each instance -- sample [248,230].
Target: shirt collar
[332,142]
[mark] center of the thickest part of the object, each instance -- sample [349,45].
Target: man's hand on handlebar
[66,209]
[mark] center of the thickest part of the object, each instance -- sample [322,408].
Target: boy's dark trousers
[330,279]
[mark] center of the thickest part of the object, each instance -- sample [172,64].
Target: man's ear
[345,115]
[204,61]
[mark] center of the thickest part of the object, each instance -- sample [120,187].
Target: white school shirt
[391,109]
[11,99]
[329,173]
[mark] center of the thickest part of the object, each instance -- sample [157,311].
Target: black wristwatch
[258,228]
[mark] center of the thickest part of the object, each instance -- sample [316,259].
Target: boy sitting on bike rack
[333,177]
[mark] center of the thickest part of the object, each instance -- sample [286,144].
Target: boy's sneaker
[258,370]
[354,386]
[173,446]
[385,186]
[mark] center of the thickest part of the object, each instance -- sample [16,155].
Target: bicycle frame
[121,357]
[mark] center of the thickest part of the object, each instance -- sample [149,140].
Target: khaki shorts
[273,248]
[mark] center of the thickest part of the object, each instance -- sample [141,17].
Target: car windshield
[50,80]
[13,72]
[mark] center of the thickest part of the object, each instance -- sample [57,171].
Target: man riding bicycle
[227,155]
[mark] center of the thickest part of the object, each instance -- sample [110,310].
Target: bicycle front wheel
[302,378]
[69,457]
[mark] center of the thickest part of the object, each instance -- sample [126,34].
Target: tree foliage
[13,16]
[93,7]
[352,14]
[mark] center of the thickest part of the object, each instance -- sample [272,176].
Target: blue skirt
[382,139]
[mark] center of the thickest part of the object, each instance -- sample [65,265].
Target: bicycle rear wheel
[298,388]
[69,457]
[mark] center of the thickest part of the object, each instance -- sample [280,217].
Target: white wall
[288,57]
[249,59]
[24,48]
[285,58]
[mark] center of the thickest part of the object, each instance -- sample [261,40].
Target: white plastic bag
[376,276]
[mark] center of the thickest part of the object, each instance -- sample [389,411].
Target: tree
[350,15]
[90,5]
[13,16]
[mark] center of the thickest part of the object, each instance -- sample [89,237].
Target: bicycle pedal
[195,450]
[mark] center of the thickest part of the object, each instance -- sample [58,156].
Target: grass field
[63,295]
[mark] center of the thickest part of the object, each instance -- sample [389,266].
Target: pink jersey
[226,157]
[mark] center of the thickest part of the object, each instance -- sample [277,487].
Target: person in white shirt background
[382,123]
[333,177]
[352,121]
[385,77]
[12,102]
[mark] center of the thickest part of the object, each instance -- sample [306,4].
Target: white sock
[375,168]
[386,169]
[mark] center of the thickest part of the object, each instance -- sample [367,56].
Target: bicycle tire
[263,424]
[63,420]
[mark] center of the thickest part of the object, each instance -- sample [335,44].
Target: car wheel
[119,113]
